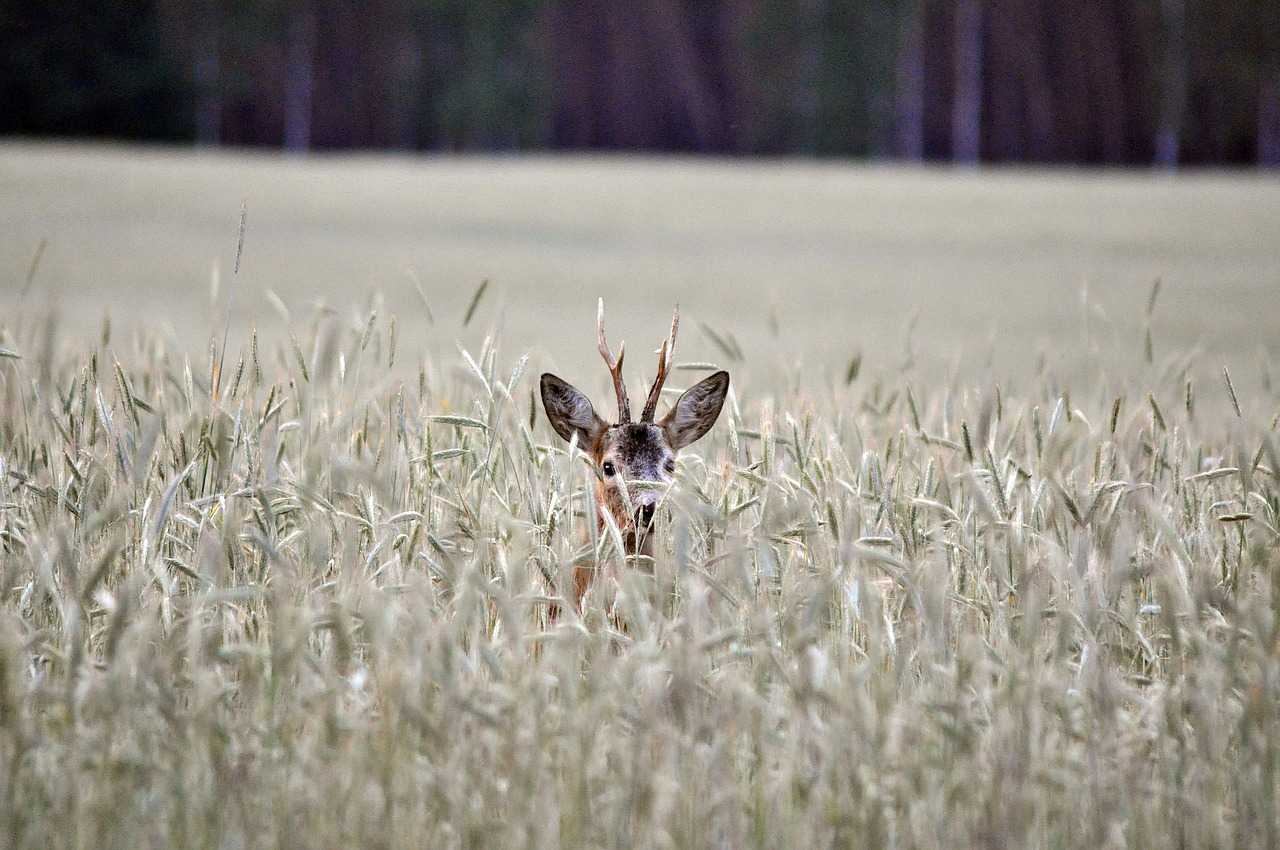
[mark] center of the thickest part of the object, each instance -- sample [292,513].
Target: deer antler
[615,366]
[665,354]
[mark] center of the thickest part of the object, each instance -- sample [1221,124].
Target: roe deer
[635,461]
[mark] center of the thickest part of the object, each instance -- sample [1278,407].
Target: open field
[297,593]
[846,258]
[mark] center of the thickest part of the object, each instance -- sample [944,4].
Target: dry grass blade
[475,302]
[34,266]
[723,342]
[1231,392]
[244,216]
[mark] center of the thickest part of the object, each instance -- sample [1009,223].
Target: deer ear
[570,412]
[696,410]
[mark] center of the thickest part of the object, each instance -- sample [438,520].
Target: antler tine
[615,366]
[665,354]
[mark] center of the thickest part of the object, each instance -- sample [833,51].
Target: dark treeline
[1092,81]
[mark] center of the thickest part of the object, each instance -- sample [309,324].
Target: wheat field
[294,586]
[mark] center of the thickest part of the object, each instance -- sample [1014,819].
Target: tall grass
[293,597]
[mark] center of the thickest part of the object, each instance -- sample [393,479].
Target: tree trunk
[300,51]
[670,29]
[1269,120]
[966,106]
[206,71]
[908,97]
[1173,84]
[808,101]
[406,81]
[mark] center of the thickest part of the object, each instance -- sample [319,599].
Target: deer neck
[625,524]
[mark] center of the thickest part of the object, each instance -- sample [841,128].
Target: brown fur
[639,453]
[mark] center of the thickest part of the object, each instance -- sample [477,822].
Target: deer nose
[645,514]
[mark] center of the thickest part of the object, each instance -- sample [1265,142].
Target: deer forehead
[640,445]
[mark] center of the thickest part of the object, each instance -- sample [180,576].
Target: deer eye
[670,466]
[608,469]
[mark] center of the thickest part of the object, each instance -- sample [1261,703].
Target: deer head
[635,458]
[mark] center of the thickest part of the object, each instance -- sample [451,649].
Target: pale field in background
[1002,265]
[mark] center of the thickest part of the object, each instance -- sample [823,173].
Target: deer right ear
[696,410]
[570,412]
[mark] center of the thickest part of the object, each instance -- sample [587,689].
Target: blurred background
[892,182]
[1079,81]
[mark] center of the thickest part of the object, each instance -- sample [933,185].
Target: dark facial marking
[644,516]
[640,449]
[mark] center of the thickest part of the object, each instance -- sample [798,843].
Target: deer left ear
[696,410]
[570,412]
